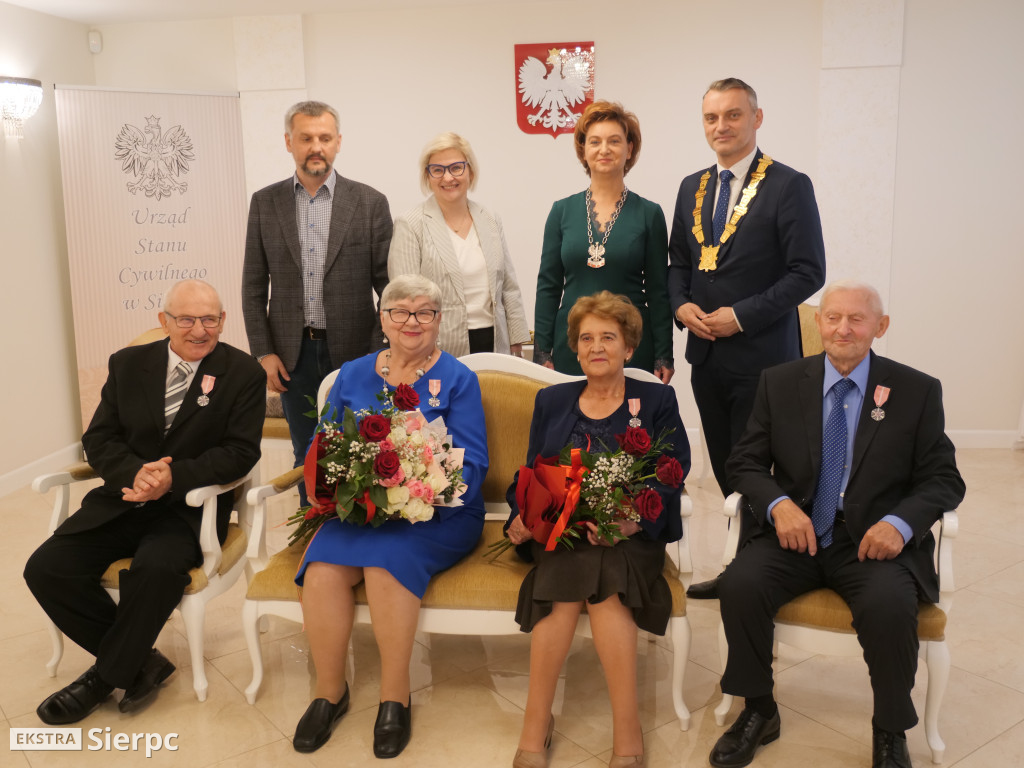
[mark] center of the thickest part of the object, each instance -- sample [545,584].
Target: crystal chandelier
[19,99]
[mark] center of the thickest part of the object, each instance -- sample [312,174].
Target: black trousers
[882,595]
[481,339]
[724,400]
[64,576]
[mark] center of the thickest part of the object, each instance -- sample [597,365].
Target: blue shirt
[853,403]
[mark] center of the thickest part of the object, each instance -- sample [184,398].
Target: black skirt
[632,569]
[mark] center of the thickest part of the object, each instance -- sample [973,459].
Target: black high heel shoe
[392,730]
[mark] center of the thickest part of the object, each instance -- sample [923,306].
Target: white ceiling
[113,11]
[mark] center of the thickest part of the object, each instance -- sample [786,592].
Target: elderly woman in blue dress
[461,246]
[621,583]
[397,559]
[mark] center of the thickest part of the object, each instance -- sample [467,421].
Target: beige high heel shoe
[632,761]
[525,759]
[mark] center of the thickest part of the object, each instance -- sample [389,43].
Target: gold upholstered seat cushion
[232,551]
[825,609]
[474,583]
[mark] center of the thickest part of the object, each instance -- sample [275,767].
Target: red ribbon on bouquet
[318,506]
[546,490]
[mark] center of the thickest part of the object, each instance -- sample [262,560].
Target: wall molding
[22,476]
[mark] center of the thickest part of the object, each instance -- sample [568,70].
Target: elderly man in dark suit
[846,467]
[173,415]
[315,251]
[746,249]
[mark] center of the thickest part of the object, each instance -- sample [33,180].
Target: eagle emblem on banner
[554,84]
[154,159]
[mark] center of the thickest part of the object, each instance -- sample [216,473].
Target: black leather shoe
[316,725]
[75,701]
[737,746]
[704,590]
[392,730]
[889,750]
[155,670]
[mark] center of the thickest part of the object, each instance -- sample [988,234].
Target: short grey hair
[734,82]
[440,143]
[874,297]
[310,109]
[409,287]
[200,286]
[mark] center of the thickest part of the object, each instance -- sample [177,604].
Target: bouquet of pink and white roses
[378,465]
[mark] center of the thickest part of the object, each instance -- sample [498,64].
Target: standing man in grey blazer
[316,249]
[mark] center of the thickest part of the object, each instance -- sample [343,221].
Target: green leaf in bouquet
[348,423]
[379,496]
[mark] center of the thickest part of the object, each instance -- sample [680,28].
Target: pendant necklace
[596,250]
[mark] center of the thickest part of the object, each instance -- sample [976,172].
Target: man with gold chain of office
[746,249]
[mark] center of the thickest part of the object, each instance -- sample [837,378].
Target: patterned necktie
[175,392]
[722,207]
[833,461]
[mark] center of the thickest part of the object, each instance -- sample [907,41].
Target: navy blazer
[211,444]
[554,417]
[903,465]
[773,262]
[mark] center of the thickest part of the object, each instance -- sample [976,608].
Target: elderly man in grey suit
[315,251]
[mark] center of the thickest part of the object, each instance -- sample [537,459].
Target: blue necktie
[722,208]
[833,460]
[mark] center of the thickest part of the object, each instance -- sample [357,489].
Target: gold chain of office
[709,253]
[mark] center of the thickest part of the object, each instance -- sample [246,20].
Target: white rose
[398,497]
[417,510]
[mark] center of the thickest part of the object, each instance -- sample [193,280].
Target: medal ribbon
[634,406]
[881,395]
[434,385]
[207,384]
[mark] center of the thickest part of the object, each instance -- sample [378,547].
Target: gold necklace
[596,250]
[709,253]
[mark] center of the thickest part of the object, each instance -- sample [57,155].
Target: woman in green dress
[604,238]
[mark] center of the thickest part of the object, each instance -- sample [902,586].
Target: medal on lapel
[634,411]
[881,395]
[434,385]
[207,386]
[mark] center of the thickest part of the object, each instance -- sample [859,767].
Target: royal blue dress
[413,552]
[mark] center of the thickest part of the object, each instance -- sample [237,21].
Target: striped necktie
[176,388]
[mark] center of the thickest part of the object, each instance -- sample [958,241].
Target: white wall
[398,77]
[38,383]
[958,264]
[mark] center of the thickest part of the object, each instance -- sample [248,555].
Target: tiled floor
[469,692]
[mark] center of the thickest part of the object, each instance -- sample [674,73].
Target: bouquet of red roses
[379,465]
[559,495]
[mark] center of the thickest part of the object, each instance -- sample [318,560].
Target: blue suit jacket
[774,261]
[554,417]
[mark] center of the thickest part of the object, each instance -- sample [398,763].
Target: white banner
[154,192]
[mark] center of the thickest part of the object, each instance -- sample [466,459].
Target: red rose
[669,471]
[386,464]
[648,504]
[635,442]
[406,398]
[374,428]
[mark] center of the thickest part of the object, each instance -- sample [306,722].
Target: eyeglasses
[401,316]
[455,169]
[210,321]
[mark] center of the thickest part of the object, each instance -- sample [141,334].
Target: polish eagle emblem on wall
[153,158]
[554,84]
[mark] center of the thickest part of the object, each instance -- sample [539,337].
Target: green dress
[636,264]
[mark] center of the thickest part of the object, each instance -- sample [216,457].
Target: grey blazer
[422,245]
[356,266]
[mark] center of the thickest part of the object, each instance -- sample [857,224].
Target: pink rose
[420,490]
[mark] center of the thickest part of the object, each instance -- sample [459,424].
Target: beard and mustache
[319,171]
